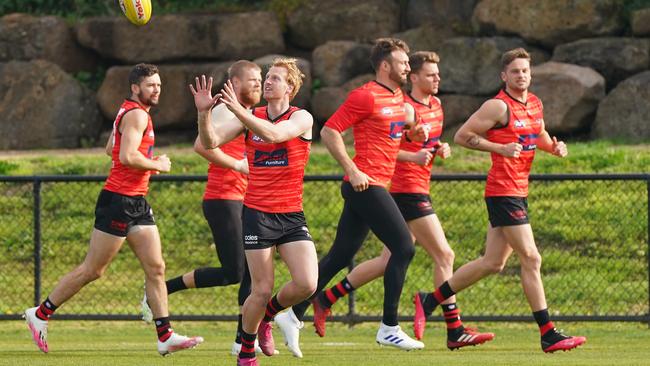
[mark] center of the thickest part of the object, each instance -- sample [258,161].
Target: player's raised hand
[559,148]
[444,150]
[419,132]
[229,98]
[203,99]
[511,150]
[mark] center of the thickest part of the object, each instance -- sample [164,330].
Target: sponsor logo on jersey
[528,142]
[520,124]
[387,111]
[396,129]
[273,158]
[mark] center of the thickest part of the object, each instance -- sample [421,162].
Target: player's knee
[90,274]
[262,294]
[494,267]
[306,288]
[233,276]
[156,270]
[531,260]
[446,259]
[406,253]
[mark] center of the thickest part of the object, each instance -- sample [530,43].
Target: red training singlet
[377,117]
[276,171]
[410,177]
[122,179]
[509,176]
[224,183]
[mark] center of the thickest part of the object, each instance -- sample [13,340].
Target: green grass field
[133,343]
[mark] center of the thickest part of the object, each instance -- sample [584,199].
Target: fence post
[37,241]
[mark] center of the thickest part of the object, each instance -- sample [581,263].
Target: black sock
[328,297]
[247,345]
[46,309]
[451,313]
[239,329]
[272,308]
[442,293]
[544,322]
[163,328]
[300,309]
[175,284]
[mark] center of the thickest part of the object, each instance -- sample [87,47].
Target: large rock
[318,21]
[454,15]
[336,62]
[641,22]
[427,37]
[183,37]
[570,94]
[176,108]
[473,65]
[327,100]
[304,94]
[614,58]
[44,107]
[550,22]
[26,37]
[457,108]
[624,111]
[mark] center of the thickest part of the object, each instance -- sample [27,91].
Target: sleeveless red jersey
[276,171]
[224,183]
[377,116]
[411,177]
[122,179]
[509,176]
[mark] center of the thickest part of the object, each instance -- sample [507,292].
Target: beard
[250,97]
[147,101]
[396,77]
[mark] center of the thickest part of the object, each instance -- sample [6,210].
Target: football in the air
[137,12]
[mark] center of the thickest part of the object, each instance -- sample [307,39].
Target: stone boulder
[336,62]
[457,108]
[318,21]
[614,58]
[641,22]
[550,22]
[624,111]
[473,65]
[454,15]
[26,37]
[183,37]
[327,100]
[570,94]
[44,107]
[176,108]
[427,37]
[304,94]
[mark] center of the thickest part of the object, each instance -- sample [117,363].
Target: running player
[410,190]
[511,128]
[123,213]
[223,199]
[278,139]
[378,115]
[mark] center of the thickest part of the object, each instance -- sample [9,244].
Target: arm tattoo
[474,141]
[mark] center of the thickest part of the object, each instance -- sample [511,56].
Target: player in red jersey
[123,213]
[223,200]
[378,116]
[511,128]
[410,190]
[278,139]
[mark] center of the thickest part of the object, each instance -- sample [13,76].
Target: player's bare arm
[550,144]
[219,158]
[471,134]
[299,124]
[109,144]
[212,135]
[133,126]
[333,140]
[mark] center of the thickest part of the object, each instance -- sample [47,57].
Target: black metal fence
[592,231]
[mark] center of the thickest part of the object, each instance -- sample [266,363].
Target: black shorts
[507,211]
[413,205]
[116,214]
[264,230]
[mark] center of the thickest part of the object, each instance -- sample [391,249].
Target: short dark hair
[238,67]
[141,71]
[383,48]
[418,59]
[509,56]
